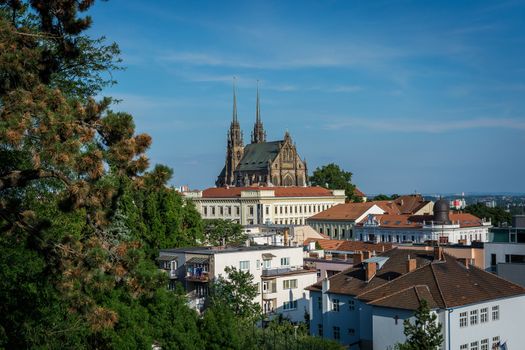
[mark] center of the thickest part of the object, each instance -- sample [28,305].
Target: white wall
[386,331]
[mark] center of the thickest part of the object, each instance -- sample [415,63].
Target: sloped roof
[443,283]
[349,246]
[291,191]
[257,155]
[358,192]
[416,221]
[343,212]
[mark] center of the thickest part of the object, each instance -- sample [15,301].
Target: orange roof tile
[294,191]
[346,211]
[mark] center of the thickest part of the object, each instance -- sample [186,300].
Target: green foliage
[236,291]
[333,177]
[220,231]
[425,333]
[382,197]
[497,215]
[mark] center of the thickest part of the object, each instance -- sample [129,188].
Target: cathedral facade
[261,162]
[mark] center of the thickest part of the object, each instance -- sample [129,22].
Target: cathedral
[261,162]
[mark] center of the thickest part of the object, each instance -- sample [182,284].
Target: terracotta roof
[407,204]
[358,193]
[349,246]
[293,191]
[416,221]
[444,284]
[346,211]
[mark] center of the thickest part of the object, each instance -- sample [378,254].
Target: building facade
[278,272]
[262,205]
[260,163]
[364,307]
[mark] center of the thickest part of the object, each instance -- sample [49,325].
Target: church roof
[256,155]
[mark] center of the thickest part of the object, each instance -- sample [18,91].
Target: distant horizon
[424,97]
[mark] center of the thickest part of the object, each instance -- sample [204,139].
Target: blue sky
[407,95]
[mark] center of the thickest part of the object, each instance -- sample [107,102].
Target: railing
[279,271]
[203,277]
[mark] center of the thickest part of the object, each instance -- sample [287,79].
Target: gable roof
[443,283]
[292,191]
[257,155]
[343,212]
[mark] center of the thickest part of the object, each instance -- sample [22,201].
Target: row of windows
[299,209]
[212,211]
[336,331]
[474,319]
[344,232]
[336,304]
[244,265]
[481,345]
[290,305]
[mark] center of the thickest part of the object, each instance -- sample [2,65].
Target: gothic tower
[234,149]
[258,133]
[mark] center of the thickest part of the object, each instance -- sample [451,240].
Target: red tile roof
[358,193]
[349,246]
[345,212]
[294,191]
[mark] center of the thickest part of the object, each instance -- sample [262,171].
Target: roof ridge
[391,281]
[437,283]
[392,294]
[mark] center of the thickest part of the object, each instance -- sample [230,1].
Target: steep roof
[343,212]
[257,155]
[443,283]
[292,191]
[349,246]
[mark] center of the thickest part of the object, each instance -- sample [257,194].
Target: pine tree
[425,333]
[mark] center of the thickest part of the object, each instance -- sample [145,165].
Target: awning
[198,260]
[166,258]
[268,256]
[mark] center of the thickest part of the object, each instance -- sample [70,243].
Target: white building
[289,235]
[462,228]
[507,260]
[364,307]
[260,205]
[278,271]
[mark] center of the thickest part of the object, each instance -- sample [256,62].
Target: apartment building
[261,205]
[364,307]
[278,272]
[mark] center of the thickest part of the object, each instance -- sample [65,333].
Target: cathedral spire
[258,134]
[234,104]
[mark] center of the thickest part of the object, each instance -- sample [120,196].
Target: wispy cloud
[413,126]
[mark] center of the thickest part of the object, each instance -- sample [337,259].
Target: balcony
[280,271]
[202,277]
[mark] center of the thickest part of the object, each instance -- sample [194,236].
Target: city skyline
[420,97]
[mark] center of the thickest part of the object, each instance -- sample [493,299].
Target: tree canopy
[424,333]
[333,177]
[496,215]
[223,232]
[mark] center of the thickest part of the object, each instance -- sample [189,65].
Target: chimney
[366,254]
[438,253]
[465,262]
[411,264]
[370,271]
[357,258]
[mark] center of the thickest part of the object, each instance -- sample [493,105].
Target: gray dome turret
[441,212]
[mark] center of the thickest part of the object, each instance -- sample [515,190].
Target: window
[484,315]
[474,345]
[230,211]
[485,344]
[286,209]
[290,284]
[280,210]
[337,333]
[267,264]
[319,303]
[238,210]
[285,261]
[351,332]
[250,208]
[320,330]
[473,318]
[318,273]
[212,210]
[275,210]
[244,265]
[463,347]
[267,210]
[290,305]
[258,264]
[351,305]
[462,319]
[495,313]
[221,211]
[205,210]
[495,343]
[335,305]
